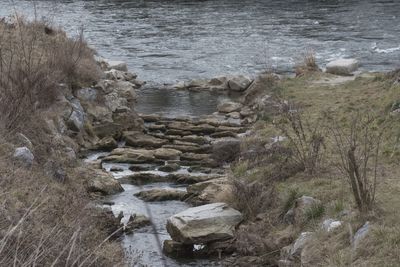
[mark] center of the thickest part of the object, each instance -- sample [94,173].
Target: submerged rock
[176,249]
[204,224]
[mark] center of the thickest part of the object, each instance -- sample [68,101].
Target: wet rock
[199,169]
[228,107]
[176,249]
[23,156]
[223,134]
[194,179]
[189,149]
[204,224]
[130,155]
[170,167]
[104,183]
[200,140]
[156,127]
[177,132]
[161,195]
[194,156]
[139,168]
[342,66]
[167,153]
[116,169]
[150,117]
[106,143]
[141,140]
[114,74]
[136,221]
[116,65]
[234,115]
[239,83]
[144,178]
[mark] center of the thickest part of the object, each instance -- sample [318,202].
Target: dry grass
[35,60]
[307,64]
[370,92]
[45,222]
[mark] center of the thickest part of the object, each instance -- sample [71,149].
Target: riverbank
[254,183]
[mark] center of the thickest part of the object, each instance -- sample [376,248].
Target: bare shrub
[308,63]
[359,150]
[252,198]
[306,137]
[34,60]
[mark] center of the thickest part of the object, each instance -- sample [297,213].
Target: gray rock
[169,167]
[157,194]
[228,107]
[331,224]
[24,156]
[342,66]
[117,65]
[76,120]
[239,83]
[360,235]
[176,249]
[87,94]
[203,224]
[296,215]
[104,183]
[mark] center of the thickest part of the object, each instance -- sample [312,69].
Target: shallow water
[142,248]
[166,41]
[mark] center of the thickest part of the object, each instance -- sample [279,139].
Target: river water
[166,41]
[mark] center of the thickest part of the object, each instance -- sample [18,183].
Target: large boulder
[204,224]
[239,83]
[342,66]
[104,183]
[23,156]
[157,194]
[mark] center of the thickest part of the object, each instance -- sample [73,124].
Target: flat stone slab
[204,224]
[342,66]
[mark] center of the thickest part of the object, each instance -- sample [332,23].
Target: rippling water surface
[166,41]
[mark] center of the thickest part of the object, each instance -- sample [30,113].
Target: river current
[168,41]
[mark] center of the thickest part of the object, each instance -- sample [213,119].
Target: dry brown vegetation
[35,61]
[306,64]
[365,149]
[44,220]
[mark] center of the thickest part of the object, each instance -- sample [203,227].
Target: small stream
[141,247]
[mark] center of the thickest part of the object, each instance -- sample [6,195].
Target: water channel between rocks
[142,247]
